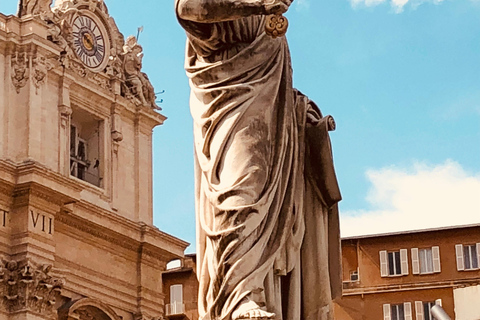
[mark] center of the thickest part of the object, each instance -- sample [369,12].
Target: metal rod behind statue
[439,314]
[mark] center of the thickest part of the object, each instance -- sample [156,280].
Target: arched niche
[86,309]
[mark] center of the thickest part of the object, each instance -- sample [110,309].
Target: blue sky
[400,77]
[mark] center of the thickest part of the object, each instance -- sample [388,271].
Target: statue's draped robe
[256,213]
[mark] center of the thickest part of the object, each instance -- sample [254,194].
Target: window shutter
[438,302]
[404,261]
[419,310]
[407,309]
[386,312]
[436,259]
[415,261]
[383,263]
[478,255]
[459,253]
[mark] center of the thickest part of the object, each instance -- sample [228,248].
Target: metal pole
[439,314]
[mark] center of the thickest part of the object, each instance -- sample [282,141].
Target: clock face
[89,41]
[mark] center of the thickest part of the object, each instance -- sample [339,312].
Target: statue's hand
[276,6]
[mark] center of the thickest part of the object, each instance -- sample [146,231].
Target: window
[425,261]
[354,275]
[423,309]
[78,153]
[468,256]
[427,306]
[401,311]
[393,263]
[176,305]
[86,147]
[398,312]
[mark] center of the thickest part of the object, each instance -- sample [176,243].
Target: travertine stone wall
[96,244]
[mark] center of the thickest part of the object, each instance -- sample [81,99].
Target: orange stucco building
[396,276]
[401,275]
[180,286]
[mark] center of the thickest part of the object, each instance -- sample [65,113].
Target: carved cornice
[31,167]
[154,239]
[141,316]
[25,285]
[155,244]
[35,190]
[30,176]
[6,188]
[411,286]
[97,231]
[81,97]
[150,240]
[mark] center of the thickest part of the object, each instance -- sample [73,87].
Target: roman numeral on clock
[99,56]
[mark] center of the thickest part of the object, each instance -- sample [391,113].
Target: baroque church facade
[77,239]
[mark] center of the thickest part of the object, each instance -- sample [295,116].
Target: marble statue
[33,7]
[266,191]
[137,82]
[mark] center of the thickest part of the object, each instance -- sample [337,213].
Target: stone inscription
[3,218]
[41,222]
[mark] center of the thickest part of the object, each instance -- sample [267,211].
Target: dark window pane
[397,312]
[474,257]
[398,267]
[81,154]
[73,133]
[394,313]
[466,256]
[391,264]
[426,311]
[81,171]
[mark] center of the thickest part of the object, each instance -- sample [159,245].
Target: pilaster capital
[27,285]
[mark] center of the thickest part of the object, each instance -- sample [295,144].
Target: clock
[90,42]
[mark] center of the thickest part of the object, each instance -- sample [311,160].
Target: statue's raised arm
[209,11]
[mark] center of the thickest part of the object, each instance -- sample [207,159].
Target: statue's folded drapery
[257,214]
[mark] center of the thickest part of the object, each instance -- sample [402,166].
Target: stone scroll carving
[27,285]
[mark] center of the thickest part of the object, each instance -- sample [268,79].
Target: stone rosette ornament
[276,25]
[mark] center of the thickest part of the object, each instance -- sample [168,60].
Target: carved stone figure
[33,7]
[39,72]
[137,82]
[20,70]
[266,191]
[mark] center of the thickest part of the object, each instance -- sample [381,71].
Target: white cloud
[302,5]
[397,5]
[367,3]
[419,198]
